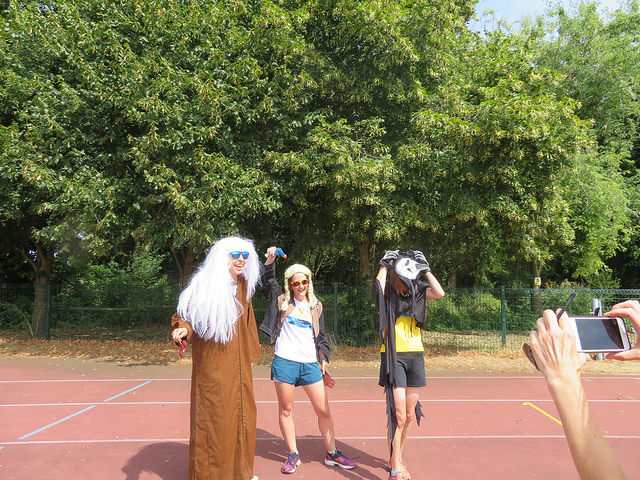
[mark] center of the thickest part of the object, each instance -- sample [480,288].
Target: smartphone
[600,334]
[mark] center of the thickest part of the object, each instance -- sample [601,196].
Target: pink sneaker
[292,463]
[338,459]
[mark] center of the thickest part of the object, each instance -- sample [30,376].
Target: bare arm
[553,346]
[271,255]
[435,290]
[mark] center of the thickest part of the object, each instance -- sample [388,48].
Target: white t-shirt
[295,341]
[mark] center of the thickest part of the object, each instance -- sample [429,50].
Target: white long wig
[290,272]
[209,302]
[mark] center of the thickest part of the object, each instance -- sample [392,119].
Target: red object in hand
[183,345]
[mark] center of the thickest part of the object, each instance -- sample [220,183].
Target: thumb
[628,355]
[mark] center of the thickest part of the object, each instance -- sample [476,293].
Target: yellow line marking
[543,412]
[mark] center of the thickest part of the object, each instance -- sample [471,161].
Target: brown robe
[223,409]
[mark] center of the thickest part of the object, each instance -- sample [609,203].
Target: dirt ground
[151,346]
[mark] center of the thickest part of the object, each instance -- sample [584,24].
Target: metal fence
[478,319]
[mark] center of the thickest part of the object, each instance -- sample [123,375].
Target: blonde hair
[209,302]
[290,272]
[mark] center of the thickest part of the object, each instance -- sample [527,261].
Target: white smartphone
[600,334]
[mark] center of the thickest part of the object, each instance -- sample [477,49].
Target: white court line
[81,411]
[316,438]
[516,377]
[273,402]
[99,380]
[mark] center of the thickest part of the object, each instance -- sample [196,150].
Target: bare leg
[413,395]
[320,402]
[285,418]
[400,399]
[405,400]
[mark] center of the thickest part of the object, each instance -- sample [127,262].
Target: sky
[513,10]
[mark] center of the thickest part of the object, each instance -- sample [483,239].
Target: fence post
[335,312]
[596,309]
[503,315]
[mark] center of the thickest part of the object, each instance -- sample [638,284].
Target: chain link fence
[473,319]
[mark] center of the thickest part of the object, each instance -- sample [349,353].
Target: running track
[75,419]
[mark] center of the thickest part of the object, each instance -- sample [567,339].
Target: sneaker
[403,475]
[292,463]
[338,460]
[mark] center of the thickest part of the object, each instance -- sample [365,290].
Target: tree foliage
[336,129]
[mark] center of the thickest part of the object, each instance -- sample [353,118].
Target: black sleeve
[321,340]
[270,286]
[421,304]
[272,291]
[378,295]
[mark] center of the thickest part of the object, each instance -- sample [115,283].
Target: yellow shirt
[408,337]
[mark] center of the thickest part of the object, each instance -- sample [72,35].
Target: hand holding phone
[526,348]
[629,309]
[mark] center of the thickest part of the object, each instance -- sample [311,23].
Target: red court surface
[74,419]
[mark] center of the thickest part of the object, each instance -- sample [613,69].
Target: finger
[633,354]
[550,319]
[626,312]
[620,310]
[541,326]
[633,304]
[563,321]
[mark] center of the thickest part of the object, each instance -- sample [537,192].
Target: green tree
[497,143]
[599,58]
[30,188]
[157,115]
[373,63]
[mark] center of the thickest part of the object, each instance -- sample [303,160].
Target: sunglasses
[297,284]
[236,255]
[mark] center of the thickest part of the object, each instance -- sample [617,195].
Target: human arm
[272,291]
[435,290]
[554,349]
[323,348]
[181,329]
[381,277]
[631,310]
[270,286]
[386,262]
[271,255]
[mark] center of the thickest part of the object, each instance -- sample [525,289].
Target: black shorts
[409,369]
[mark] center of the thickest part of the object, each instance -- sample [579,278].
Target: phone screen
[599,334]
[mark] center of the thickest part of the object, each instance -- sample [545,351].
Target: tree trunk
[41,265]
[185,261]
[452,280]
[366,263]
[40,305]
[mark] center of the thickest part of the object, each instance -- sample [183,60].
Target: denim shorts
[295,373]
